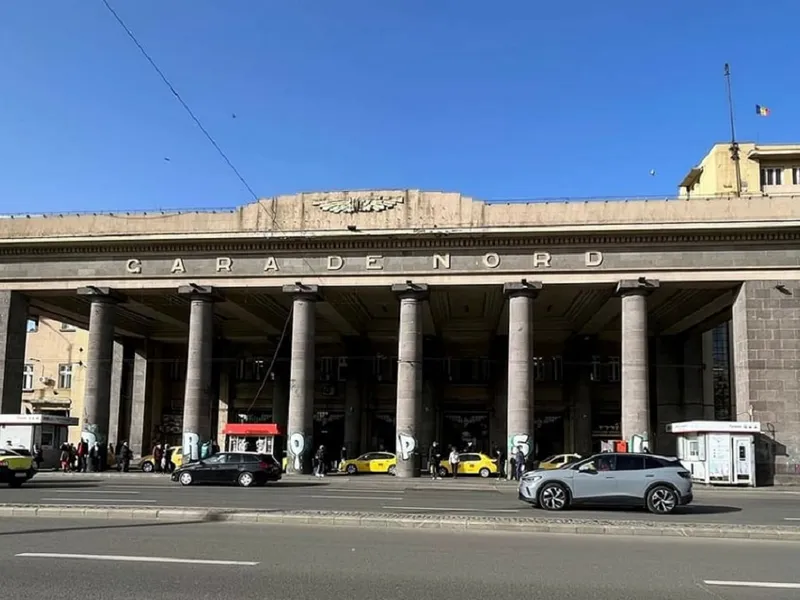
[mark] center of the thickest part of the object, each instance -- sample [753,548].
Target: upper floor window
[27,378]
[33,325]
[67,327]
[65,376]
[771,176]
[796,176]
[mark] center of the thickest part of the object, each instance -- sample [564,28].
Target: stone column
[357,349]
[197,397]
[280,400]
[409,377]
[140,384]
[99,367]
[13,335]
[300,428]
[352,415]
[224,407]
[117,418]
[519,422]
[709,412]
[635,373]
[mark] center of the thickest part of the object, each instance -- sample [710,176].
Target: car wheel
[392,470]
[442,472]
[15,483]
[484,472]
[245,479]
[186,478]
[553,496]
[661,500]
[351,469]
[148,467]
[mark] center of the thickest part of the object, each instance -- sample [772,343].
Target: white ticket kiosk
[27,431]
[718,452]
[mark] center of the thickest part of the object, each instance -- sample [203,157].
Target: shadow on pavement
[35,485]
[695,509]
[291,484]
[91,527]
[705,509]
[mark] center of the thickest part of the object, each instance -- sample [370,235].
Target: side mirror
[589,468]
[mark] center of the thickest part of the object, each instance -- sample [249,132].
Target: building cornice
[423,240]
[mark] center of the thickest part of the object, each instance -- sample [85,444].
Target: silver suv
[659,483]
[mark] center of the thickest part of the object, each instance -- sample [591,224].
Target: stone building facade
[398,317]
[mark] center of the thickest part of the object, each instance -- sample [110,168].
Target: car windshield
[14,452]
[550,458]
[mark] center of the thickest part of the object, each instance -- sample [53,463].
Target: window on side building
[65,376]
[27,378]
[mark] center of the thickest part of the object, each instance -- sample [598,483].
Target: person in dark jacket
[319,470]
[434,458]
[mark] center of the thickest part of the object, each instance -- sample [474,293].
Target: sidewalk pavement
[409,521]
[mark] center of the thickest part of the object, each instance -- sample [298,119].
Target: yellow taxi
[558,460]
[16,466]
[470,463]
[371,462]
[148,463]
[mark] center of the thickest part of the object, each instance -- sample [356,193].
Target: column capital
[193,291]
[303,292]
[527,288]
[101,294]
[636,287]
[409,289]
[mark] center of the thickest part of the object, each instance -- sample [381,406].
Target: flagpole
[734,144]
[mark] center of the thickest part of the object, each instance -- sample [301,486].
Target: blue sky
[497,100]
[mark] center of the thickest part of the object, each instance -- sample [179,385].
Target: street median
[387,520]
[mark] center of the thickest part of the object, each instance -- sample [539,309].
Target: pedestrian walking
[64,457]
[38,456]
[124,458]
[434,458]
[519,463]
[454,460]
[319,468]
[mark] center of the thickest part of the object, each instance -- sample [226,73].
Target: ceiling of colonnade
[468,316]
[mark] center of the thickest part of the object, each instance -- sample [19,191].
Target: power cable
[222,154]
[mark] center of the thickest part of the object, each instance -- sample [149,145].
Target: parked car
[371,462]
[658,483]
[470,463]
[242,468]
[16,466]
[558,460]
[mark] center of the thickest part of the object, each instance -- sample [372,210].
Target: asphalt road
[302,563]
[382,494]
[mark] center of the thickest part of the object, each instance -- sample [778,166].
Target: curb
[406,521]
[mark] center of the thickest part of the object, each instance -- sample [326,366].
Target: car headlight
[531,477]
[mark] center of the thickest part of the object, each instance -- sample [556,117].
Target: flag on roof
[762,111]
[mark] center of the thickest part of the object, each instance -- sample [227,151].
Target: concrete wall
[765,335]
[305,214]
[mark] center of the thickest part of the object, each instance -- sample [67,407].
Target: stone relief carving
[357,204]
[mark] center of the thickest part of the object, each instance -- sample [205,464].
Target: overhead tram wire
[228,162]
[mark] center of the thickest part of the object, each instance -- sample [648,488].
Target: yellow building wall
[719,172]
[46,349]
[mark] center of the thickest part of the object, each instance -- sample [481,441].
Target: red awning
[254,429]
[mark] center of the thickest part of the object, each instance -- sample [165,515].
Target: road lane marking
[443,509]
[332,497]
[755,584]
[126,500]
[94,492]
[791,518]
[144,559]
